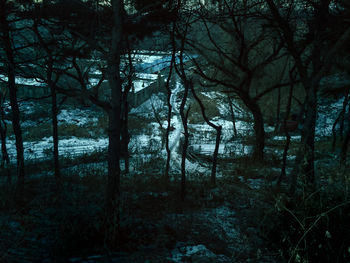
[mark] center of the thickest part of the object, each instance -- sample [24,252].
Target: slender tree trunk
[334,133]
[168,100]
[10,64]
[114,127]
[3,131]
[184,119]
[218,135]
[54,109]
[345,144]
[342,114]
[278,110]
[254,107]
[54,112]
[125,132]
[304,162]
[126,136]
[286,147]
[233,118]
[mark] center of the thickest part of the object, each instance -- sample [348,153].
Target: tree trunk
[168,100]
[286,147]
[114,127]
[345,144]
[233,118]
[126,135]
[54,112]
[218,135]
[254,107]
[278,110]
[3,131]
[167,148]
[184,119]
[10,64]
[304,162]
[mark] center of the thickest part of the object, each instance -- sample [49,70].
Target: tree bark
[54,113]
[254,107]
[114,126]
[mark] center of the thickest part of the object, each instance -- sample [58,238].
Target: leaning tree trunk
[184,119]
[218,135]
[114,127]
[10,63]
[254,107]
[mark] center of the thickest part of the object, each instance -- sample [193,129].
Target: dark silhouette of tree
[7,9]
[313,55]
[217,128]
[3,131]
[235,51]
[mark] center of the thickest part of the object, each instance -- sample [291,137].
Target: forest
[174,131]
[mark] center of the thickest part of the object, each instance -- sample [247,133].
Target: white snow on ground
[327,114]
[24,81]
[139,58]
[67,147]
[141,84]
[236,148]
[283,138]
[147,76]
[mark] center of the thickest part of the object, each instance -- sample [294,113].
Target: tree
[7,10]
[313,55]
[217,128]
[236,51]
[48,44]
[3,130]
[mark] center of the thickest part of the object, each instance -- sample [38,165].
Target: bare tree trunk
[233,118]
[345,144]
[10,64]
[3,130]
[254,107]
[278,110]
[286,147]
[114,127]
[304,162]
[169,115]
[125,132]
[54,112]
[218,135]
[184,119]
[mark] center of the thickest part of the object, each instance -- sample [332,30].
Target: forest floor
[220,224]
[230,222]
[226,223]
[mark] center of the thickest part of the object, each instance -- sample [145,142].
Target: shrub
[312,227]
